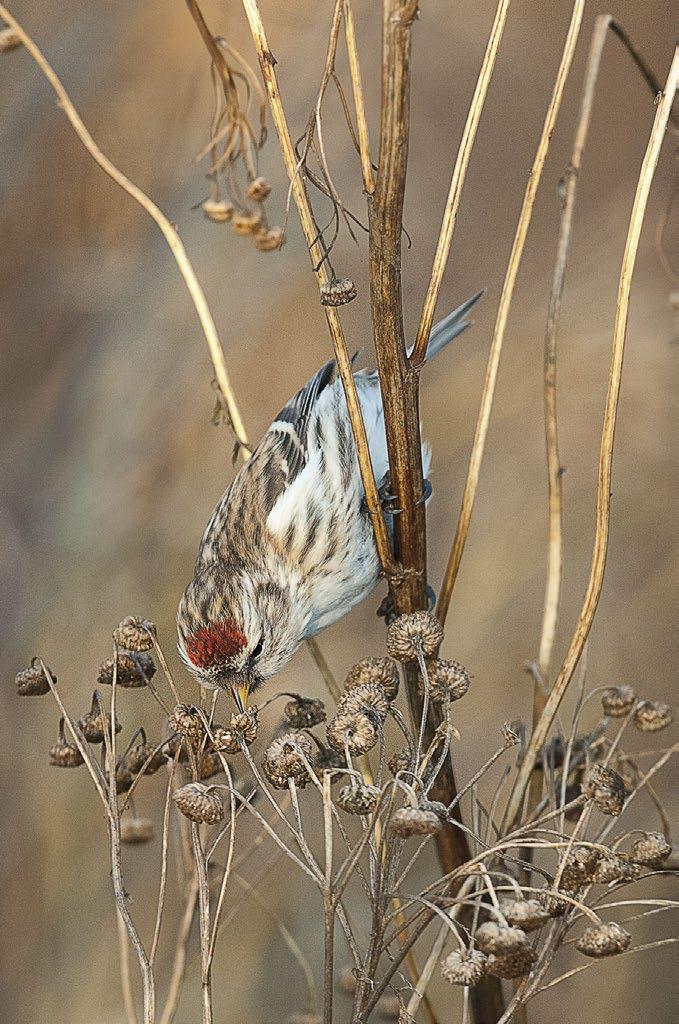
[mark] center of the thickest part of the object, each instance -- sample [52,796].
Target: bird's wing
[275,464]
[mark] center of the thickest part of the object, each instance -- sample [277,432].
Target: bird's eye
[257,650]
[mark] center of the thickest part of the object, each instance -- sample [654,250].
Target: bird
[289,548]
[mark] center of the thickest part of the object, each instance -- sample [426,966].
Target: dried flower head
[515,964]
[618,701]
[652,716]
[186,720]
[464,967]
[246,723]
[604,940]
[9,40]
[258,189]
[494,937]
[226,740]
[283,759]
[133,671]
[368,698]
[96,723]
[527,914]
[124,777]
[137,756]
[381,672]
[199,803]
[304,712]
[401,761]
[338,293]
[448,680]
[32,682]
[218,210]
[358,798]
[135,831]
[268,240]
[134,634]
[605,788]
[246,223]
[209,764]
[651,850]
[414,634]
[612,868]
[415,821]
[579,866]
[557,903]
[327,759]
[64,754]
[355,729]
[513,733]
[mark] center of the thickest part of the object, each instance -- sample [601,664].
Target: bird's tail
[452,325]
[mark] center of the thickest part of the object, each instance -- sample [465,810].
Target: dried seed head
[133,671]
[269,241]
[465,967]
[413,634]
[283,760]
[652,716]
[605,788]
[134,634]
[355,729]
[135,831]
[199,803]
[415,821]
[246,223]
[124,777]
[209,764]
[512,733]
[9,40]
[176,743]
[448,680]
[358,798]
[95,724]
[627,772]
[368,698]
[604,940]
[338,293]
[64,754]
[526,914]
[186,720]
[304,712]
[246,723]
[381,672]
[137,756]
[618,701]
[493,937]
[512,965]
[327,759]
[579,867]
[651,849]
[555,903]
[32,682]
[401,761]
[225,740]
[218,210]
[611,868]
[258,189]
[388,1007]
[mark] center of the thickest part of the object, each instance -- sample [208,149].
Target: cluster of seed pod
[647,715]
[247,216]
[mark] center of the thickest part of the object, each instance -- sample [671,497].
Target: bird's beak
[241,692]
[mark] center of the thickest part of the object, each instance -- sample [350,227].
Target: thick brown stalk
[603,506]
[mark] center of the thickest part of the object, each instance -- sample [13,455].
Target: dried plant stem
[457,181]
[179,962]
[205,928]
[125,979]
[503,315]
[359,101]
[267,63]
[598,566]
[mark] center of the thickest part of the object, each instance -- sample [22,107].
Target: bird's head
[235,630]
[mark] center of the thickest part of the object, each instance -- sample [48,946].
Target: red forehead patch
[210,646]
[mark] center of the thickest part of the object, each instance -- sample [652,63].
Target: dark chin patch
[211,646]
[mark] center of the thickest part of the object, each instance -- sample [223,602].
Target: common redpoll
[290,548]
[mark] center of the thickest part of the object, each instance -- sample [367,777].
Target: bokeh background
[110,464]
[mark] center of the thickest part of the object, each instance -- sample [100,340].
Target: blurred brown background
[110,465]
